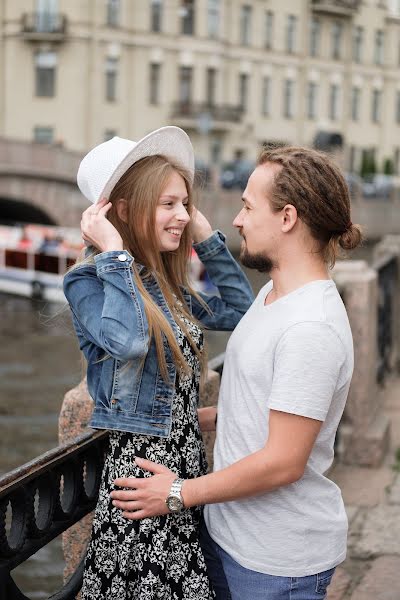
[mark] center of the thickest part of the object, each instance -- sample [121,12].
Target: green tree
[368,164]
[388,166]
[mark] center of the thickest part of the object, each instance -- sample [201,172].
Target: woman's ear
[122,210]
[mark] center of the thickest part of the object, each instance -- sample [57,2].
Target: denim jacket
[109,319]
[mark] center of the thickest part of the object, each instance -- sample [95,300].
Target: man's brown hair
[315,186]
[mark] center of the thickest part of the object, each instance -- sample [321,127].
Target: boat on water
[34,258]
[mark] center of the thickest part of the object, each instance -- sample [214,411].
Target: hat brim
[171,142]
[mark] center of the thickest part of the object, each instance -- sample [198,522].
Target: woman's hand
[146,496]
[97,230]
[201,228]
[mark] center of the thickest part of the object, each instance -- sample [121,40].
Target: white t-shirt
[296,356]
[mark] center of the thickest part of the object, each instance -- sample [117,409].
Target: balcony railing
[43,26]
[217,113]
[345,8]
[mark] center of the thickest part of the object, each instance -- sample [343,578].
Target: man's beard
[258,261]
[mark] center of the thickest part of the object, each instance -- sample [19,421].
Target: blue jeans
[231,581]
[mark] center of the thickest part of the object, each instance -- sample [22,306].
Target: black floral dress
[157,558]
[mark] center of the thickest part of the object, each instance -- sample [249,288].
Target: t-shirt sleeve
[307,365]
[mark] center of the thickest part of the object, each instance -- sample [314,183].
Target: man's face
[259,226]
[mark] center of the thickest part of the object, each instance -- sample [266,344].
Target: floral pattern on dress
[157,558]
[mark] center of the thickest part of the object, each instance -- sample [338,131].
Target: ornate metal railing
[387,270]
[336,7]
[44,24]
[46,496]
[216,112]
[43,498]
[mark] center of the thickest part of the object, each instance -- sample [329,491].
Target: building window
[358,36]
[398,53]
[288,98]
[315,35]
[397,111]
[43,135]
[109,134]
[269,29]
[154,87]
[111,79]
[312,100]
[211,86]
[397,161]
[113,12]
[185,84]
[46,19]
[245,25]
[376,106]
[187,12]
[337,33]
[379,47]
[394,7]
[45,68]
[213,10]
[266,97]
[243,90]
[156,15]
[291,26]
[334,102]
[355,103]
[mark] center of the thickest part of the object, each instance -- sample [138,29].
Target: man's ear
[122,210]
[289,217]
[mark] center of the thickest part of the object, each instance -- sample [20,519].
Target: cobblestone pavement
[372,498]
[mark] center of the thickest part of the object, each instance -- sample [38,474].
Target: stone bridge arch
[39,181]
[13,212]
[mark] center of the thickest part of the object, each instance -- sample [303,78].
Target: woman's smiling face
[171,213]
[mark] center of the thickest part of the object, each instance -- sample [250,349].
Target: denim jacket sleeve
[233,286]
[105,303]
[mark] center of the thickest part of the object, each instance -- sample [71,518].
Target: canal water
[39,363]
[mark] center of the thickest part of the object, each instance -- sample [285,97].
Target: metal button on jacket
[122,257]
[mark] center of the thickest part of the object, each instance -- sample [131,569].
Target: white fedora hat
[103,166]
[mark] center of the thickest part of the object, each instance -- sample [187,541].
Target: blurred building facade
[233,73]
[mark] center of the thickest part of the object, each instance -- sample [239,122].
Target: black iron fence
[387,270]
[45,497]
[42,499]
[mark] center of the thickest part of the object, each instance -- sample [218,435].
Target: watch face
[174,504]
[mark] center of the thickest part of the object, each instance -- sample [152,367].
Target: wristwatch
[174,500]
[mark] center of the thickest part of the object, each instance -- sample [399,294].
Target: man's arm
[207,418]
[282,461]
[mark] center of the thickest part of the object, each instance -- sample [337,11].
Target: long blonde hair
[141,186]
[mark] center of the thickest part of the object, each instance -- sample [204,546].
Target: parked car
[378,186]
[355,185]
[235,174]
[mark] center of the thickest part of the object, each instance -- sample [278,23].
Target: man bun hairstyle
[314,185]
[351,238]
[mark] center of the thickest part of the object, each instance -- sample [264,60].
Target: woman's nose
[183,214]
